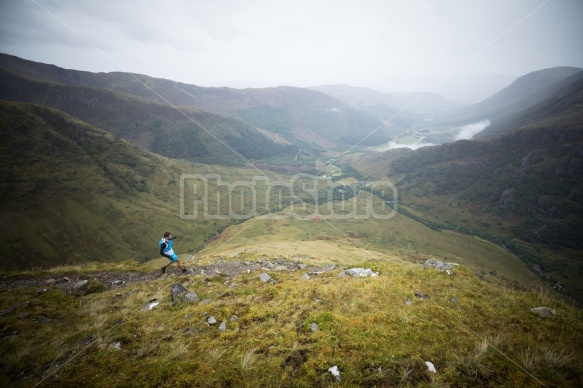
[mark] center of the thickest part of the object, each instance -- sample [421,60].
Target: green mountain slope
[313,117]
[563,108]
[185,133]
[523,93]
[522,188]
[71,192]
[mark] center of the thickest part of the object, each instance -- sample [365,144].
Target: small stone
[302,266]
[306,276]
[421,295]
[51,281]
[335,372]
[191,297]
[206,301]
[453,300]
[223,326]
[7,311]
[314,326]
[115,346]
[43,320]
[544,312]
[211,320]
[408,301]
[430,367]
[80,284]
[265,277]
[234,318]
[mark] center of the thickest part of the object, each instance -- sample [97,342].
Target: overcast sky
[383,44]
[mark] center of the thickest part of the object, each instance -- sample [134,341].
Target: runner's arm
[162,247]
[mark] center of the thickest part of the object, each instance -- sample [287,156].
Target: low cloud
[414,146]
[469,131]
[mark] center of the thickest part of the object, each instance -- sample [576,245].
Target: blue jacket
[167,251]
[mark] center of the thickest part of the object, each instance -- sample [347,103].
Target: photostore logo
[303,196]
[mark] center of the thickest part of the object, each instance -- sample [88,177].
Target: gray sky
[382,44]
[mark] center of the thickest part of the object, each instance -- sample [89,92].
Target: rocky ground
[114,279]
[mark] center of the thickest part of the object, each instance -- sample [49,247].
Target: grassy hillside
[564,108]
[522,188]
[474,332]
[72,192]
[184,133]
[523,93]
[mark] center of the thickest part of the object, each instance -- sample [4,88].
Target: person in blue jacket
[167,251]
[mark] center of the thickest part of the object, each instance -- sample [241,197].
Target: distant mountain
[412,103]
[523,93]
[563,108]
[471,88]
[300,115]
[187,133]
[73,193]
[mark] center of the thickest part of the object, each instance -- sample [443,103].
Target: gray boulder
[358,272]
[265,278]
[191,297]
[544,312]
[80,284]
[176,291]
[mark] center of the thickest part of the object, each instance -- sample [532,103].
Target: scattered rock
[211,320]
[80,284]
[234,318]
[314,326]
[51,281]
[43,320]
[265,278]
[453,300]
[150,306]
[358,272]
[176,290]
[206,301]
[8,334]
[191,297]
[305,276]
[440,265]
[7,311]
[115,346]
[408,301]
[223,326]
[335,372]
[421,295]
[430,367]
[280,268]
[302,266]
[544,312]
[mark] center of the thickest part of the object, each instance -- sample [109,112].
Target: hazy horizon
[400,46]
